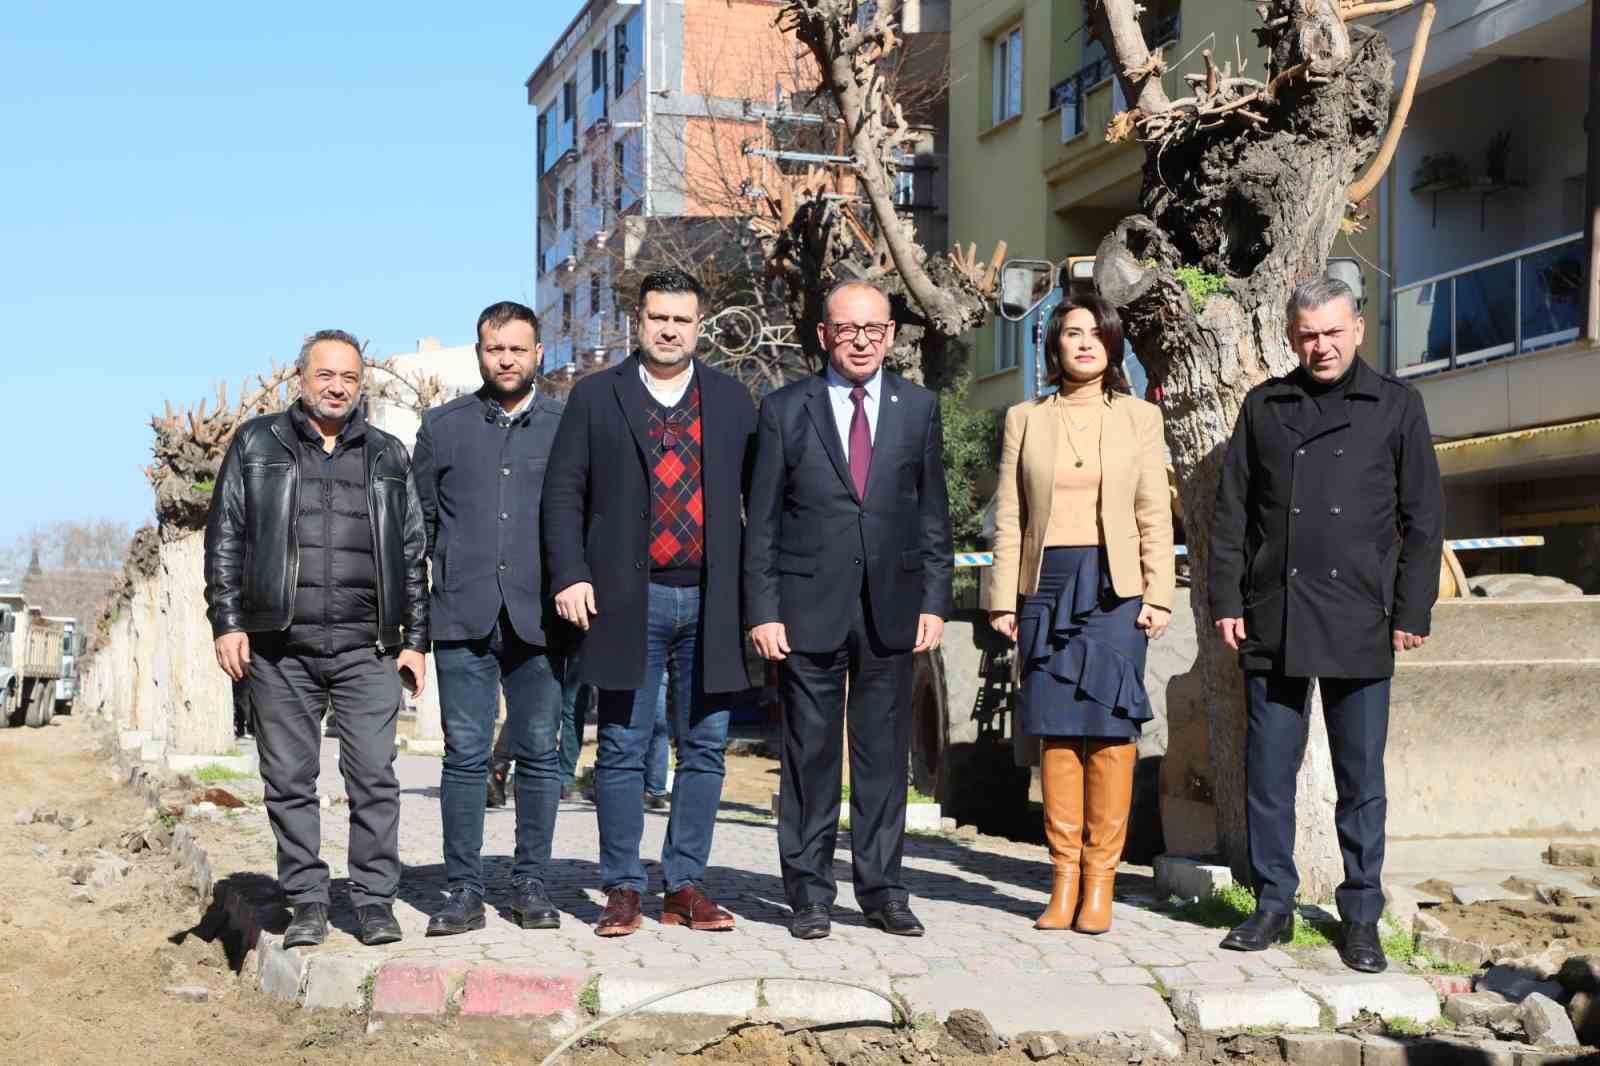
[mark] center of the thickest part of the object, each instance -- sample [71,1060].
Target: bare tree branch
[1391,138]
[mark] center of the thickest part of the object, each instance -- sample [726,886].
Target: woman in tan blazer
[1082,580]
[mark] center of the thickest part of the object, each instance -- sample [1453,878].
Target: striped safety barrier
[972,559]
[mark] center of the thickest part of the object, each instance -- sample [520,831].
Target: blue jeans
[627,722]
[471,674]
[575,700]
[655,766]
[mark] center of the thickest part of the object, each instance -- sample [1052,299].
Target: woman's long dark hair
[1107,326]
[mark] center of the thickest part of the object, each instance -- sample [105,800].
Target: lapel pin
[894,399]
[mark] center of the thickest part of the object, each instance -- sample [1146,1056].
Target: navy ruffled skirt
[1082,652]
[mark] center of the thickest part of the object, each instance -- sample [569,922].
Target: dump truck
[36,644]
[72,645]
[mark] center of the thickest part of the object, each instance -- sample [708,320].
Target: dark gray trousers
[288,694]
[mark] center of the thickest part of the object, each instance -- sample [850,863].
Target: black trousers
[814,686]
[288,694]
[1356,711]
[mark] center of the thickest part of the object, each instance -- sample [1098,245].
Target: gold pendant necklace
[1071,425]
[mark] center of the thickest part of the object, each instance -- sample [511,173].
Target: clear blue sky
[186,189]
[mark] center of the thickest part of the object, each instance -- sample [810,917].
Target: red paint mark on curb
[519,993]
[1450,984]
[414,987]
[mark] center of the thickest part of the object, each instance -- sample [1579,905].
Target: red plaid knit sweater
[677,503]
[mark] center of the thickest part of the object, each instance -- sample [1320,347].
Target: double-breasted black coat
[596,520]
[1329,526]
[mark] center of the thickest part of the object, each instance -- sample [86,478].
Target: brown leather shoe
[692,907]
[621,915]
[1108,797]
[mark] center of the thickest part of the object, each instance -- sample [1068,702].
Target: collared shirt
[666,395]
[505,417]
[844,408]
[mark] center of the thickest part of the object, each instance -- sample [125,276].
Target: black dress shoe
[375,924]
[308,927]
[533,909]
[896,917]
[657,801]
[1361,950]
[811,922]
[462,913]
[1260,931]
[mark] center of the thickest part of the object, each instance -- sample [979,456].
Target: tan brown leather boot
[1061,781]
[1108,796]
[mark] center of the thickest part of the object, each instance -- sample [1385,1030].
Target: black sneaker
[657,801]
[308,927]
[532,908]
[810,922]
[462,913]
[375,924]
[499,777]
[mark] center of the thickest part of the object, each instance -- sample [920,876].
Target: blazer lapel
[891,424]
[630,397]
[821,411]
[1040,445]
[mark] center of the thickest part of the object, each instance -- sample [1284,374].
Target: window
[569,101]
[597,189]
[627,47]
[566,207]
[1008,340]
[566,314]
[1007,88]
[544,142]
[594,293]
[597,71]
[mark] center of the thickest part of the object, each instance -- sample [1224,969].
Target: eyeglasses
[845,332]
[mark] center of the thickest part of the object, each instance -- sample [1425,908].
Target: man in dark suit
[847,573]
[480,463]
[643,523]
[1324,564]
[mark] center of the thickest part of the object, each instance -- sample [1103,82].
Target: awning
[1542,451]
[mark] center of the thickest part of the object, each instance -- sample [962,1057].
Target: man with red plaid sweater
[643,523]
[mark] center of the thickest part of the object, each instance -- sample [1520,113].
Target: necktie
[860,442]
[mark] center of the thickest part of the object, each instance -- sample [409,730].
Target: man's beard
[317,410]
[501,392]
[682,357]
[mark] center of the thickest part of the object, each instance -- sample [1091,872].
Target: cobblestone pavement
[977,899]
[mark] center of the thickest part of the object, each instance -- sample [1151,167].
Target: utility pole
[1591,224]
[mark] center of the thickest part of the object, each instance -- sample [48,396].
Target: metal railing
[1520,302]
[559,141]
[561,247]
[1070,93]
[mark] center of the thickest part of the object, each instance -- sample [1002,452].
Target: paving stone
[1482,892]
[1479,1008]
[1450,984]
[337,981]
[1189,878]
[1215,1008]
[1320,1049]
[1546,1023]
[1560,854]
[1390,996]
[621,989]
[280,970]
[503,992]
[827,1004]
[416,986]
[1034,1003]
[1514,984]
[1127,975]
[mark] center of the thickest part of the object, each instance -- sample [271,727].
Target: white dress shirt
[667,395]
[844,408]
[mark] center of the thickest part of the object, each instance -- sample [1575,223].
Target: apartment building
[656,119]
[1479,230]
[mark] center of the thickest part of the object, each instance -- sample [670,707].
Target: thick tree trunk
[1255,210]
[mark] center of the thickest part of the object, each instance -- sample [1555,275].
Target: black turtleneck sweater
[1324,392]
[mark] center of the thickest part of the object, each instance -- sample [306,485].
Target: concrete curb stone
[1386,995]
[624,987]
[337,982]
[1215,1008]
[408,987]
[281,971]
[1320,1049]
[498,990]
[827,1004]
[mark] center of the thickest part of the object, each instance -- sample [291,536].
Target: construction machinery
[35,645]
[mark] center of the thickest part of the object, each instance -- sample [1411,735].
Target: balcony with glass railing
[1523,302]
[1071,95]
[558,146]
[560,248]
[596,118]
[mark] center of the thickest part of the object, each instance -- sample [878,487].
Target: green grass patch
[205,486]
[1397,943]
[213,772]
[589,998]
[913,796]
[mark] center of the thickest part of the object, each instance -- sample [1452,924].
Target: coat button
[1294,571]
[638,566]
[644,514]
[505,471]
[1335,510]
[502,566]
[1338,452]
[856,561]
[1294,510]
[1333,573]
[504,516]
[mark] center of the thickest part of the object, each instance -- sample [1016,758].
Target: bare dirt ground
[89,973]
[1532,925]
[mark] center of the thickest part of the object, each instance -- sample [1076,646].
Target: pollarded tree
[1246,183]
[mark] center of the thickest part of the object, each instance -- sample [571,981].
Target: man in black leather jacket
[316,590]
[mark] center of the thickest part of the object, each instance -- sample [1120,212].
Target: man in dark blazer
[847,572]
[643,507]
[480,463]
[1324,564]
